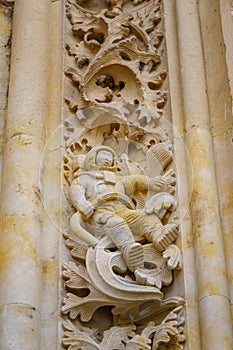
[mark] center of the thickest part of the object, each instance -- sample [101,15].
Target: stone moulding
[119,182]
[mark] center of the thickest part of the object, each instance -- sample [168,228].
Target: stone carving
[166,335]
[108,203]
[119,182]
[116,55]
[121,237]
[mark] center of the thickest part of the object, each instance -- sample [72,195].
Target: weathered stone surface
[19,327]
[90,254]
[119,178]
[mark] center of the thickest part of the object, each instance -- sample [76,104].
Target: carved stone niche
[119,181]
[115,54]
[120,184]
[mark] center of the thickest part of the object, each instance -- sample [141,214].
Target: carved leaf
[78,250]
[139,343]
[117,337]
[163,335]
[71,305]
[87,301]
[147,115]
[74,74]
[170,331]
[76,276]
[79,339]
[84,307]
[173,256]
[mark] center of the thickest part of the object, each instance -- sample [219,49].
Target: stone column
[52,192]
[5,36]
[182,163]
[22,212]
[226,13]
[213,298]
[224,144]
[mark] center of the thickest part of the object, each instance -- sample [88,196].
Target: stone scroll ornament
[119,182]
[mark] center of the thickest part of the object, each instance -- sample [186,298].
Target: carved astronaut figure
[105,201]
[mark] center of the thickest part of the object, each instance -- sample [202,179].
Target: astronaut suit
[105,200]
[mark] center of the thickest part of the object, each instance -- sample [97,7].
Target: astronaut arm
[157,184]
[79,201]
[138,183]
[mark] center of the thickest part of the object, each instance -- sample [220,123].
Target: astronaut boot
[165,236]
[133,255]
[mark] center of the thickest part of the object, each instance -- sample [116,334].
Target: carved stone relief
[119,182]
[115,55]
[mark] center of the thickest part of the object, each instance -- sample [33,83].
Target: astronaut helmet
[99,157]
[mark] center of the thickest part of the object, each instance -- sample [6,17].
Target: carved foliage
[115,73]
[116,55]
[100,276]
[167,335]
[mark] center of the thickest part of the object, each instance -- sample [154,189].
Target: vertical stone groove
[210,260]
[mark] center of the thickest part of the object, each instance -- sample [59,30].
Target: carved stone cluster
[119,182]
[168,332]
[116,54]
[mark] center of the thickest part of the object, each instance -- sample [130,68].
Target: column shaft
[22,211]
[52,191]
[214,307]
[182,165]
[224,143]
[5,39]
